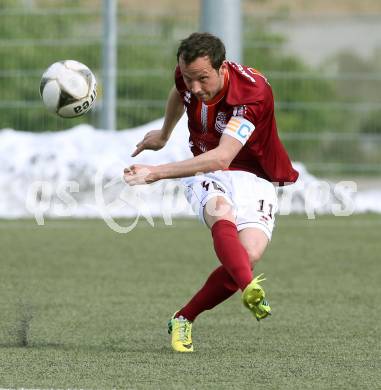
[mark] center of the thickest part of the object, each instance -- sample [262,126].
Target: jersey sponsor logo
[221,121]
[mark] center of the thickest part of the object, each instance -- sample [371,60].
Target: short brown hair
[202,45]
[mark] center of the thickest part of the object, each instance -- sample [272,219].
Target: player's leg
[211,197]
[218,287]
[255,242]
[217,213]
[257,202]
[220,218]
[221,284]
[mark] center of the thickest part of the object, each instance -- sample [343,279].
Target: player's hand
[153,140]
[140,174]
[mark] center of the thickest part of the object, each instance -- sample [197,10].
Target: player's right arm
[156,139]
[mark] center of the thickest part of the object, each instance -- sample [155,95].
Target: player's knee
[216,209]
[254,256]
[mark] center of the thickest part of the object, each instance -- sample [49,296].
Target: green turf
[85,307]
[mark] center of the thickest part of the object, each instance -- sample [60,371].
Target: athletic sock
[219,287]
[231,253]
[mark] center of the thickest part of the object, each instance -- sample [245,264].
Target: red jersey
[246,93]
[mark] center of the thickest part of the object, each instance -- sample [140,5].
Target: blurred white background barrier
[78,173]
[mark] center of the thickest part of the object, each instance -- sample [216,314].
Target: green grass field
[85,307]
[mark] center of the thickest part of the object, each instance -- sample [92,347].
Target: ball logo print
[68,88]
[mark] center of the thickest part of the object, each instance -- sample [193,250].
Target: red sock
[231,253]
[219,287]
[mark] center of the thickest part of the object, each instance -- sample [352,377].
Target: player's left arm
[235,135]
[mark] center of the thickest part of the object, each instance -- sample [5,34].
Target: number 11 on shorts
[261,208]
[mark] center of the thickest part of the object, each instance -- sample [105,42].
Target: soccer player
[238,157]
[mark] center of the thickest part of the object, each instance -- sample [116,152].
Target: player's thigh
[210,197]
[256,203]
[255,242]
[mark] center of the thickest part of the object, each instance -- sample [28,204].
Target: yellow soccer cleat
[181,330]
[253,297]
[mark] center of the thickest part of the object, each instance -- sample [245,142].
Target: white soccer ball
[68,88]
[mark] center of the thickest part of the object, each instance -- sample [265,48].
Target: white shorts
[253,199]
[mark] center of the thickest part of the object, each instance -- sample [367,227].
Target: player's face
[202,79]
